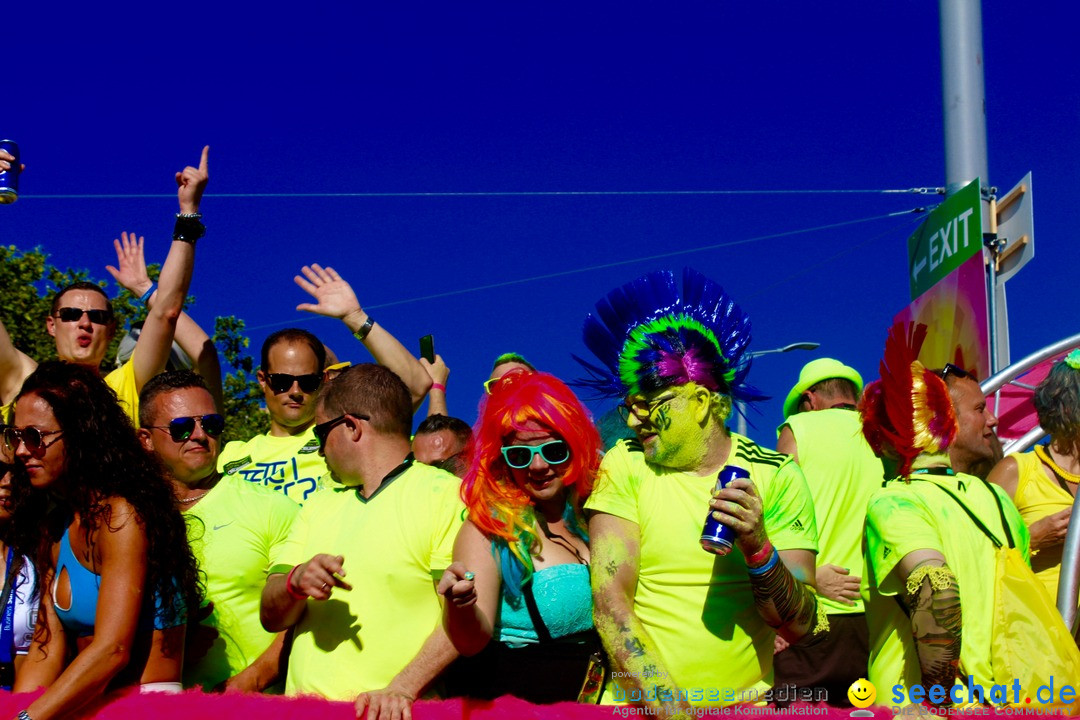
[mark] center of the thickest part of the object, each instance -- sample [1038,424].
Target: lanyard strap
[7,601]
[979,523]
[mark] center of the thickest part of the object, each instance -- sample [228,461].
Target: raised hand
[334,297]
[131,272]
[191,182]
[437,370]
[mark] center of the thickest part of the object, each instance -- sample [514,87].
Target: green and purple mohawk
[647,337]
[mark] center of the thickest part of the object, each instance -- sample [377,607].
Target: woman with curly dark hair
[112,550]
[20,594]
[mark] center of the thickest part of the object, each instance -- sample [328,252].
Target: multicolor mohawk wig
[647,337]
[908,411]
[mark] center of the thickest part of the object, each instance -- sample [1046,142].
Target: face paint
[661,418]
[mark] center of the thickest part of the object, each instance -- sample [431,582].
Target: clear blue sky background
[518,97]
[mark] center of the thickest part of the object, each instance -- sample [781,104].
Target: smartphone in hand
[427,348]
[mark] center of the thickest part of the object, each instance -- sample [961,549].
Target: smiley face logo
[862,693]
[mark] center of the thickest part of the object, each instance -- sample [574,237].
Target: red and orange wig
[496,505]
[908,411]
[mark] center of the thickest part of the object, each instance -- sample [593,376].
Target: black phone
[427,348]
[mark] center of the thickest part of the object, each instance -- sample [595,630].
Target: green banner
[951,235]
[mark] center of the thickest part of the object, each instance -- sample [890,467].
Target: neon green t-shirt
[235,533]
[291,465]
[122,381]
[842,473]
[698,608]
[904,517]
[7,412]
[394,544]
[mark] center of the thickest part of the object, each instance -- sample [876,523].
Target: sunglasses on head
[31,437]
[181,428]
[322,430]
[555,452]
[283,382]
[74,314]
[953,370]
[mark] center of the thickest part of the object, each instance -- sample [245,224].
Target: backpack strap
[542,631]
[979,523]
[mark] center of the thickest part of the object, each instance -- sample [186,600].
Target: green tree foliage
[29,283]
[243,398]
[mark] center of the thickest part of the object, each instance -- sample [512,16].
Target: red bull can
[716,537]
[9,179]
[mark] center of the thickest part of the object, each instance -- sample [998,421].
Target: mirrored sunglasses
[74,314]
[283,382]
[555,452]
[181,428]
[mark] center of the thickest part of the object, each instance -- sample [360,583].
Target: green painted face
[673,433]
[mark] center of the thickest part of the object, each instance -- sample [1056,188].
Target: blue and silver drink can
[9,179]
[716,537]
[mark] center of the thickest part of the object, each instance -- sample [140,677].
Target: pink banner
[955,312]
[193,704]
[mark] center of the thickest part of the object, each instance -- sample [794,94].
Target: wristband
[759,558]
[146,295]
[294,594]
[759,571]
[363,330]
[438,386]
[188,227]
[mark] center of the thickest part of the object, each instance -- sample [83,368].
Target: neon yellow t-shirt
[7,412]
[122,381]
[698,608]
[842,473]
[1037,497]
[904,517]
[394,544]
[235,532]
[291,465]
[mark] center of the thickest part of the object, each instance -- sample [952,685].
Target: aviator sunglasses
[283,382]
[33,438]
[74,314]
[180,428]
[555,452]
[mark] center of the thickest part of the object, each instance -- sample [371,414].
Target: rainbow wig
[495,504]
[908,411]
[647,337]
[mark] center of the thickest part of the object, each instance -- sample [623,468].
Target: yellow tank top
[1037,497]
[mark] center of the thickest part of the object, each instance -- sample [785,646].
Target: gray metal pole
[963,95]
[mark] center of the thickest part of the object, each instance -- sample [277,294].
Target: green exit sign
[951,235]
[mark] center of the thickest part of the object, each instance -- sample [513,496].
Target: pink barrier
[193,705]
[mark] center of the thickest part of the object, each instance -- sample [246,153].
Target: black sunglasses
[951,369]
[283,382]
[322,430]
[33,438]
[74,314]
[180,428]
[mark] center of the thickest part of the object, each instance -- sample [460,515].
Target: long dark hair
[103,460]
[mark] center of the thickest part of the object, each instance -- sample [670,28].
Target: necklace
[193,498]
[1061,474]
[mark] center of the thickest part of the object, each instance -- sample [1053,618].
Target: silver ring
[325,585]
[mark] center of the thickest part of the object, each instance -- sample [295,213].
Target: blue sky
[530,97]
